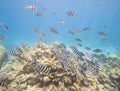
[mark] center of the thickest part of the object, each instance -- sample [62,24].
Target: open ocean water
[92,14]
[91,26]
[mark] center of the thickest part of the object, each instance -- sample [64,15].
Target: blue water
[90,13]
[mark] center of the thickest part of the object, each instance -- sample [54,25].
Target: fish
[66,64]
[11,53]
[38,14]
[87,48]
[102,33]
[54,30]
[105,26]
[23,45]
[76,52]
[3,26]
[91,70]
[78,39]
[18,49]
[74,49]
[34,9]
[76,31]
[99,66]
[82,69]
[80,45]
[86,29]
[62,22]
[71,13]
[38,31]
[39,0]
[97,50]
[43,39]
[104,40]
[88,56]
[70,32]
[33,58]
[42,68]
[2,37]
[54,13]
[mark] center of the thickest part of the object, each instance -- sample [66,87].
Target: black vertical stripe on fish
[98,66]
[75,51]
[43,69]
[18,50]
[66,64]
[33,58]
[89,56]
[11,53]
[92,70]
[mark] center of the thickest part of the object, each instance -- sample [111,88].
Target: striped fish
[32,7]
[18,50]
[88,56]
[11,53]
[63,55]
[75,51]
[66,64]
[33,58]
[82,68]
[92,70]
[99,66]
[71,13]
[42,68]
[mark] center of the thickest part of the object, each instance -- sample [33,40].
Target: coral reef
[53,68]
[2,51]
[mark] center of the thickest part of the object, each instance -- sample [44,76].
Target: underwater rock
[2,52]
[6,89]
[46,79]
[67,80]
